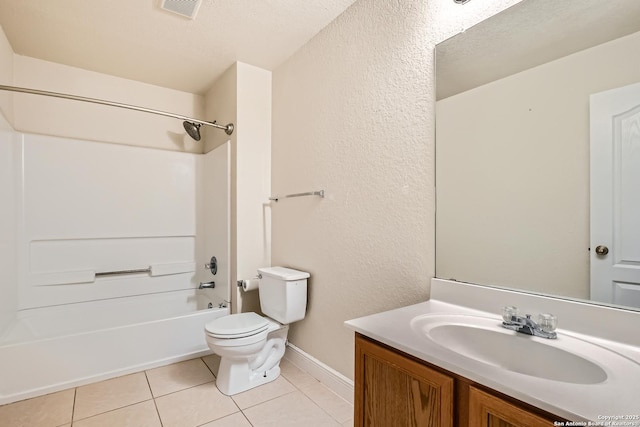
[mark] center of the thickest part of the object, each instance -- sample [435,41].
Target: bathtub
[54,348]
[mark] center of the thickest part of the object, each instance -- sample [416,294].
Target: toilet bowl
[249,356]
[250,346]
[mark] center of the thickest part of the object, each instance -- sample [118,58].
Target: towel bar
[310,193]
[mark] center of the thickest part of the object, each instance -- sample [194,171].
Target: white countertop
[618,395]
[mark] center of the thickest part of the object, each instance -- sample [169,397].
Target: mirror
[513,141]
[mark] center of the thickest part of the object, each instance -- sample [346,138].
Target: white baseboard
[333,379]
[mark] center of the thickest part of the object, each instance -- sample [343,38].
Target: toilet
[250,346]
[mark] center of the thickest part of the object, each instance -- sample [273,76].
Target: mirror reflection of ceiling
[138,40]
[498,47]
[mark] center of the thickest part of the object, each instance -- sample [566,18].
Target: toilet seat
[237,326]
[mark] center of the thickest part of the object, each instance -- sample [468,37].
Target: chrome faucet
[207,285]
[525,325]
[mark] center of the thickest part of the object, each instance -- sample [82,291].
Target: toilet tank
[283,293]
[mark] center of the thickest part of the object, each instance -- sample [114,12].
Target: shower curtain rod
[228,128]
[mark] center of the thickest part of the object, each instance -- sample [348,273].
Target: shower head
[193,129]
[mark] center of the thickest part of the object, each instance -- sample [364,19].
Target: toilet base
[243,380]
[240,372]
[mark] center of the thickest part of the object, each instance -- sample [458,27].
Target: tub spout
[207,285]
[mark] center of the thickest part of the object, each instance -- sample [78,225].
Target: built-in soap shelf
[90,276]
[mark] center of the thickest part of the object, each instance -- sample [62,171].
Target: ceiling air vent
[187,8]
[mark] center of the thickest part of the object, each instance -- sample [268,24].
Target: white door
[615,196]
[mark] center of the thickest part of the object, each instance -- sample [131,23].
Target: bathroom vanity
[449,362]
[394,388]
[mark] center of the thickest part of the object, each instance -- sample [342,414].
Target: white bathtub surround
[581,324]
[78,215]
[81,208]
[67,346]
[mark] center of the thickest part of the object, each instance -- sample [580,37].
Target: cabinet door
[486,410]
[394,390]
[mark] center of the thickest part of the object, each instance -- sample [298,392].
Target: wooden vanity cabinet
[395,389]
[488,410]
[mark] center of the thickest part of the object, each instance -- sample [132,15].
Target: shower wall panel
[216,209]
[9,154]
[92,208]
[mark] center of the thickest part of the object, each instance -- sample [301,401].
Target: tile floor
[184,395]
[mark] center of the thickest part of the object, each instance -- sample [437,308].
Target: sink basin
[485,340]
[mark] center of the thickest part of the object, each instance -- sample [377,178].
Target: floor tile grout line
[305,395]
[152,398]
[73,408]
[208,367]
[316,403]
[183,389]
[318,382]
[247,418]
[111,410]
[186,388]
[296,388]
[265,401]
[158,412]
[268,400]
[222,418]
[336,395]
[322,409]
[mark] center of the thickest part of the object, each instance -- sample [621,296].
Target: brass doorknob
[602,250]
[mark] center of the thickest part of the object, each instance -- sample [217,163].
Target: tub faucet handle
[212,265]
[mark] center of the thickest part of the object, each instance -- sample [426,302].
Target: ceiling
[136,39]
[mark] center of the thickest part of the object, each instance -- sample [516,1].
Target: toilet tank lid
[284,273]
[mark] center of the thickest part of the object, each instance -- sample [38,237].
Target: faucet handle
[508,312]
[547,322]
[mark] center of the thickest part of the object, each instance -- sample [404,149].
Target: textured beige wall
[9,176]
[243,96]
[353,114]
[253,178]
[6,77]
[221,103]
[81,120]
[51,116]
[524,150]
